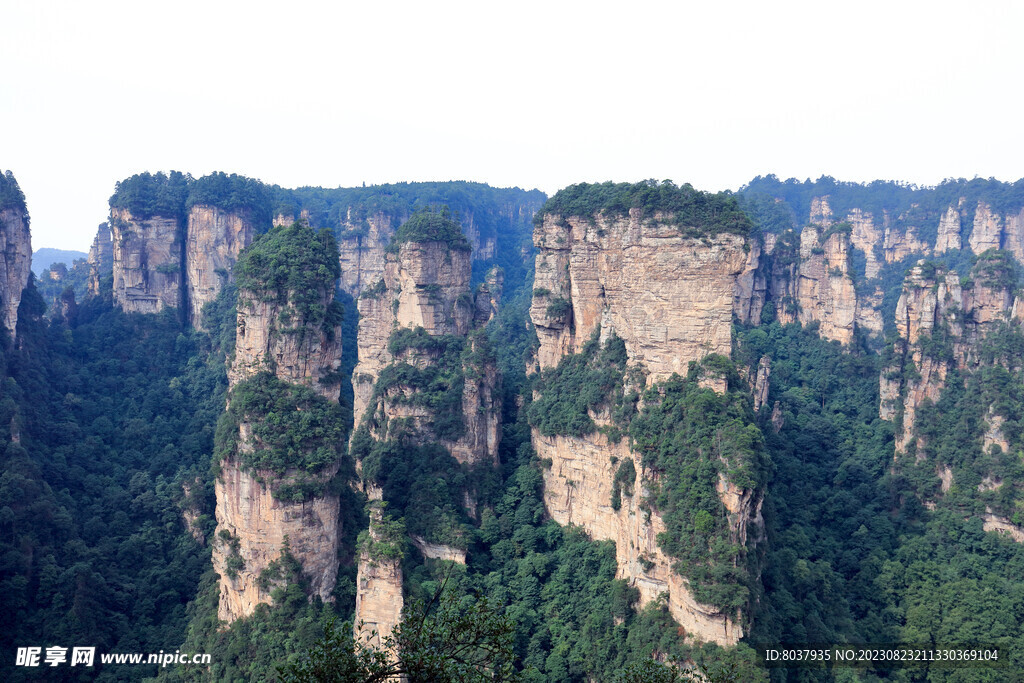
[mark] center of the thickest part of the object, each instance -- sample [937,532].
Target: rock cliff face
[933,310]
[425,287]
[379,598]
[16,245]
[273,336]
[253,524]
[670,297]
[101,258]
[578,490]
[361,252]
[988,229]
[900,244]
[949,231]
[147,262]
[214,240]
[363,244]
[814,284]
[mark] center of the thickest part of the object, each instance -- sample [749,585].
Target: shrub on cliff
[428,225]
[146,195]
[294,266]
[699,213]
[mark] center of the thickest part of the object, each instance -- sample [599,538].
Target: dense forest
[114,429]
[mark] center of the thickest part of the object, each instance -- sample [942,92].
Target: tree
[446,639]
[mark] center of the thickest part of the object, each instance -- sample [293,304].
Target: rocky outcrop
[671,297]
[379,598]
[437,551]
[939,323]
[949,231]
[147,266]
[361,252]
[100,259]
[578,491]
[261,534]
[488,296]
[761,382]
[214,240]
[668,295]
[1013,235]
[751,290]
[363,242]
[865,236]
[900,244]
[814,285]
[16,264]
[988,229]
[425,289]
[273,336]
[255,530]
[1002,525]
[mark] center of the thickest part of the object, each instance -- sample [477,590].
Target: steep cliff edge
[417,358]
[147,262]
[669,295]
[280,442]
[16,246]
[379,598]
[940,322]
[632,285]
[288,321]
[215,238]
[100,259]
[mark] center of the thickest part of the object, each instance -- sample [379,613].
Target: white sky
[534,94]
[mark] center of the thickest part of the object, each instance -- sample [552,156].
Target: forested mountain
[626,428]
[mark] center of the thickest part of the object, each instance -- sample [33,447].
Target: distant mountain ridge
[47,256]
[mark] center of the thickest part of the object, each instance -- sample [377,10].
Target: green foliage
[996,270]
[427,225]
[116,417]
[451,638]
[698,213]
[233,193]
[423,484]
[625,476]
[374,291]
[385,539]
[147,195]
[437,386]
[292,429]
[580,384]
[294,266]
[689,435]
[11,196]
[558,308]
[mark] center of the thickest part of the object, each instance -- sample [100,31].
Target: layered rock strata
[147,256]
[934,306]
[425,286]
[214,240]
[379,598]
[578,491]
[271,335]
[256,528]
[671,297]
[812,283]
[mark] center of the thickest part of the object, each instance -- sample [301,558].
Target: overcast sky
[519,93]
